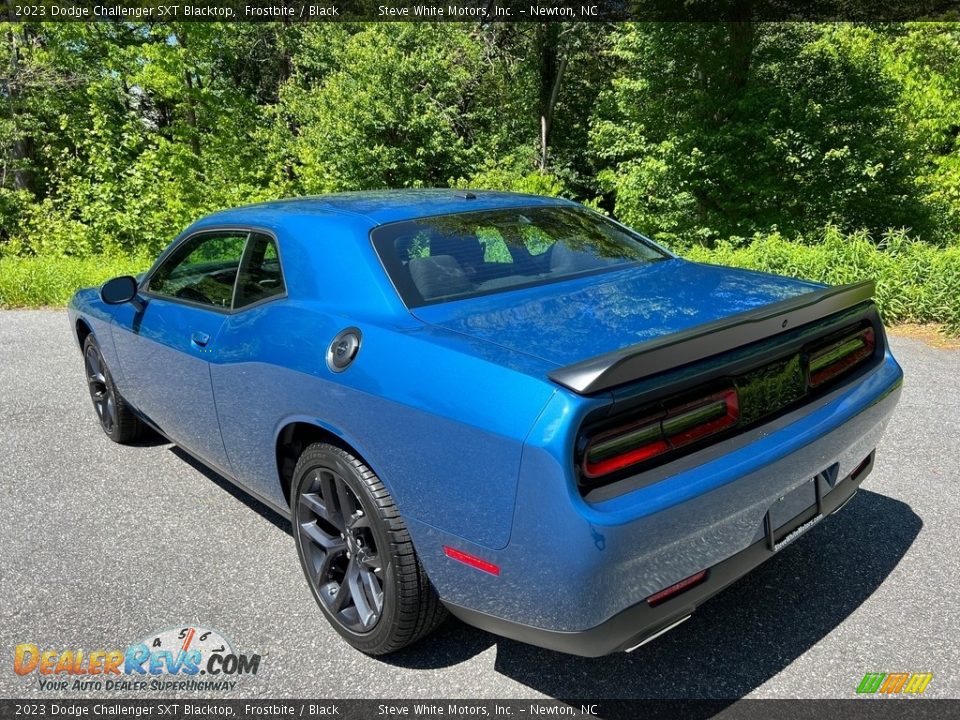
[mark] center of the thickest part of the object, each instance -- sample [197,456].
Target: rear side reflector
[836,358]
[667,430]
[471,560]
[676,589]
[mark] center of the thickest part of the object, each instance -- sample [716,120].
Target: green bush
[916,282]
[45,280]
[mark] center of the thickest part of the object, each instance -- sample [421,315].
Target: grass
[41,281]
[916,282]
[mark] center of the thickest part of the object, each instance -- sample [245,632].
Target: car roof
[380,206]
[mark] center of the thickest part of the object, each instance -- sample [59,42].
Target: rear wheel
[115,416]
[357,555]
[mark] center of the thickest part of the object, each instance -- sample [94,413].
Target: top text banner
[479,11]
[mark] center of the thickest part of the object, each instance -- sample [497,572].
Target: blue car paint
[570,320]
[452,408]
[609,556]
[430,460]
[166,371]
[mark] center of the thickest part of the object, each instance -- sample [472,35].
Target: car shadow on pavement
[149,438]
[734,642]
[264,510]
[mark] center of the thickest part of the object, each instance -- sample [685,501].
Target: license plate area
[791,515]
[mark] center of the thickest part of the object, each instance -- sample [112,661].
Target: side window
[202,270]
[260,275]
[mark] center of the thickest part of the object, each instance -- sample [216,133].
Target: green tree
[715,130]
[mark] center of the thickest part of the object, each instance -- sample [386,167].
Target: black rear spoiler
[702,341]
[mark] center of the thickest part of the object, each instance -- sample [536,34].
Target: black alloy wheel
[341,550]
[104,400]
[357,555]
[116,417]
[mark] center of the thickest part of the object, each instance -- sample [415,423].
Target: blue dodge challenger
[505,407]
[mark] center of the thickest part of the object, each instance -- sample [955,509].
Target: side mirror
[120,290]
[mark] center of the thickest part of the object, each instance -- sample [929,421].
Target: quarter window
[260,276]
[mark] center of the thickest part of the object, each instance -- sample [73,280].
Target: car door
[164,348]
[250,380]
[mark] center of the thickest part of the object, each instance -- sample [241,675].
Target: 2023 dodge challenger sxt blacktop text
[503,406]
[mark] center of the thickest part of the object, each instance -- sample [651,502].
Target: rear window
[450,257]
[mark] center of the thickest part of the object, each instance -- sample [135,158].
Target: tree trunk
[21,155]
[551,76]
[727,84]
[742,42]
[286,58]
[189,101]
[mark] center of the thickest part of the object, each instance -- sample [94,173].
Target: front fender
[86,308]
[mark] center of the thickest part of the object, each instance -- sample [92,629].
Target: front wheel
[116,418]
[357,555]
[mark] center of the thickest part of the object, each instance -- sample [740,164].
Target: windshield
[435,259]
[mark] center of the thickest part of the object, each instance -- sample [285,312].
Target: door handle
[200,339]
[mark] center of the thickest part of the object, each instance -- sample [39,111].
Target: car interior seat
[438,276]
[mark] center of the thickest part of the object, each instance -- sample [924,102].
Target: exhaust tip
[658,633]
[846,502]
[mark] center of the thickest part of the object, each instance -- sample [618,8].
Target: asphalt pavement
[101,545]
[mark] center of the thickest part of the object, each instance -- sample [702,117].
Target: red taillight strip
[676,588]
[731,413]
[618,462]
[471,560]
[674,428]
[819,374]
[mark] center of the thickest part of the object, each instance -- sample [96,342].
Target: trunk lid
[569,321]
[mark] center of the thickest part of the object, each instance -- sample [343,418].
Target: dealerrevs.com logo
[183,658]
[886,684]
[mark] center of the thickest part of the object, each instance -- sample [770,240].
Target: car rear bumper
[643,622]
[575,575]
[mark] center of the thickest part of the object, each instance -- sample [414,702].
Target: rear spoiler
[702,341]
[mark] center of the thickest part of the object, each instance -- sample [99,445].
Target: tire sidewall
[327,456]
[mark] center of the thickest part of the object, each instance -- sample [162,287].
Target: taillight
[620,448]
[673,427]
[699,419]
[828,362]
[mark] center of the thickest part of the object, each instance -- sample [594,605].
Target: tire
[117,420]
[349,535]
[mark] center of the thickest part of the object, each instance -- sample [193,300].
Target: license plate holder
[794,513]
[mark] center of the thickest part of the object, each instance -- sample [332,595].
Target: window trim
[411,306]
[144,286]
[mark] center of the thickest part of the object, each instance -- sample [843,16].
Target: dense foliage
[113,137]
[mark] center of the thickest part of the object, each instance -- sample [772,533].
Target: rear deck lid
[572,320]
